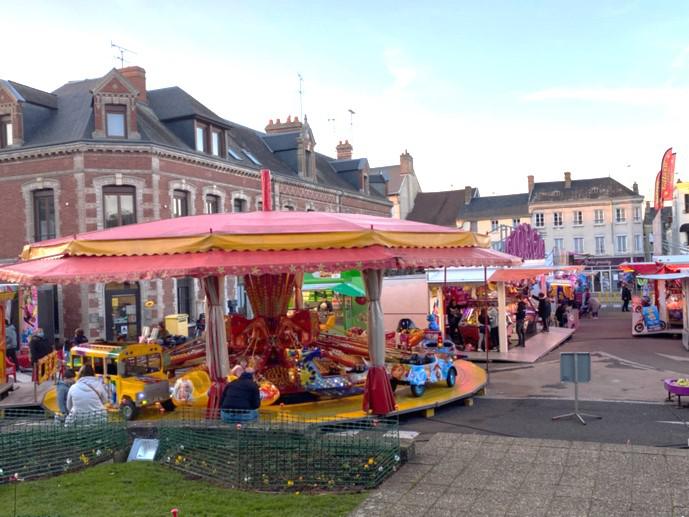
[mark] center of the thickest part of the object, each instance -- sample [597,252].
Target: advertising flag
[667,175]
[657,193]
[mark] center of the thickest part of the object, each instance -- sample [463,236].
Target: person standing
[543,310]
[241,399]
[482,322]
[594,306]
[626,297]
[521,322]
[39,346]
[62,388]
[494,319]
[11,343]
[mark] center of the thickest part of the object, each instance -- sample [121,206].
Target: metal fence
[279,452]
[33,443]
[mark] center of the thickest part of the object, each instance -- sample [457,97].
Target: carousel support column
[298,293]
[378,396]
[502,318]
[662,301]
[685,313]
[216,341]
[266,191]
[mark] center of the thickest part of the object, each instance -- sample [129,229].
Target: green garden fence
[33,443]
[280,452]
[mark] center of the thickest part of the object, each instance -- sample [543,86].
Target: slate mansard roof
[584,190]
[66,115]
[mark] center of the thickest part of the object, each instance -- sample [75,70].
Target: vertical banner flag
[668,175]
[657,193]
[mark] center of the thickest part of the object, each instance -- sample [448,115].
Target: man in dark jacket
[241,399]
[39,346]
[626,297]
[543,310]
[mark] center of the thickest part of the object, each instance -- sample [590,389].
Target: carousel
[272,251]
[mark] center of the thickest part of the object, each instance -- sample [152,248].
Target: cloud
[400,67]
[631,96]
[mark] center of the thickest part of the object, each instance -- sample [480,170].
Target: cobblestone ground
[476,475]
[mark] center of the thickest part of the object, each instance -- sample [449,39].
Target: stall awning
[642,268]
[666,276]
[522,273]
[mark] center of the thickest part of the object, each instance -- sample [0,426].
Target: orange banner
[667,175]
[657,193]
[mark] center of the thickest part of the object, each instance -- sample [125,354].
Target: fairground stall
[272,251]
[338,298]
[659,301]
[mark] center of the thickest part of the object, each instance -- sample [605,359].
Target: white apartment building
[679,241]
[599,221]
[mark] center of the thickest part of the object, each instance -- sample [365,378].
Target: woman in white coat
[86,399]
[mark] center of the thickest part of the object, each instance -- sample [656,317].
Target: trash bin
[177,324]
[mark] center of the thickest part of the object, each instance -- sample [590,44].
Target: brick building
[106,152]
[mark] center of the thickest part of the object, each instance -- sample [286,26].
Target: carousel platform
[22,396]
[471,380]
[536,347]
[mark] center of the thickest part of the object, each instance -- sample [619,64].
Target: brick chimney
[344,150]
[531,182]
[568,180]
[406,163]
[137,76]
[290,126]
[635,188]
[467,194]
[648,205]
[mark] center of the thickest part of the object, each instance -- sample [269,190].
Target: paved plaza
[474,475]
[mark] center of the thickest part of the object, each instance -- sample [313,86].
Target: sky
[480,93]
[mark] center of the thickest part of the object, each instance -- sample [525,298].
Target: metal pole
[576,386]
[486,327]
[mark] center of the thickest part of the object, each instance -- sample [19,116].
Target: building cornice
[86,146]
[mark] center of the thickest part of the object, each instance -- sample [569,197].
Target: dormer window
[6,139]
[201,137]
[251,157]
[216,142]
[234,154]
[116,121]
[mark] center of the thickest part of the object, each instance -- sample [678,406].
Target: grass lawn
[149,490]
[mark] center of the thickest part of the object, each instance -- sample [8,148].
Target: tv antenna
[121,50]
[332,121]
[351,117]
[301,96]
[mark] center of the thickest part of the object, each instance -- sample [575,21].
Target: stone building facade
[106,152]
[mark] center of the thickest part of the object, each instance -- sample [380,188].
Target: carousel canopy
[255,231]
[249,243]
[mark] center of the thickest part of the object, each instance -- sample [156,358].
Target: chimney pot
[344,151]
[635,188]
[137,77]
[467,194]
[406,163]
[568,180]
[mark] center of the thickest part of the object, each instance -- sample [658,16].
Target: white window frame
[557,220]
[494,225]
[620,216]
[600,239]
[578,249]
[617,243]
[580,221]
[637,214]
[638,242]
[516,221]
[537,216]
[561,241]
[596,220]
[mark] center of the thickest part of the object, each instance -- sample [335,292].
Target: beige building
[401,183]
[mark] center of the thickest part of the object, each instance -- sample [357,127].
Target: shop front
[122,312]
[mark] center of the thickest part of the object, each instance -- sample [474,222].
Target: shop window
[539,219]
[119,207]
[180,203]
[598,217]
[557,218]
[184,295]
[116,121]
[44,214]
[239,205]
[212,204]
[6,138]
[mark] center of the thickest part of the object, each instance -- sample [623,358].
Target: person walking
[594,307]
[626,297]
[482,338]
[11,343]
[86,398]
[241,399]
[494,319]
[521,323]
[543,310]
